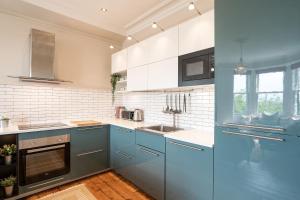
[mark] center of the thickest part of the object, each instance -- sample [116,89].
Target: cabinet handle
[91,152]
[149,152]
[254,126]
[186,146]
[123,154]
[55,180]
[255,136]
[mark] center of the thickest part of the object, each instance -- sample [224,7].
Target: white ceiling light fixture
[240,68]
[192,7]
[111,47]
[156,25]
[130,37]
[103,10]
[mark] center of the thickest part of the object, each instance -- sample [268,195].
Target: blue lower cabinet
[189,171]
[260,166]
[122,151]
[89,150]
[150,171]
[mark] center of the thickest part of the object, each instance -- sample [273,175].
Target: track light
[156,25]
[130,37]
[111,47]
[193,7]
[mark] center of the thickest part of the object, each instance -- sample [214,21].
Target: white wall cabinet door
[163,74]
[163,45]
[137,78]
[197,33]
[119,61]
[137,54]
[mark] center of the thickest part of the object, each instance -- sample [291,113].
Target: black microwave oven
[196,68]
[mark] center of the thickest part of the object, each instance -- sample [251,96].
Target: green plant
[114,79]
[9,181]
[8,150]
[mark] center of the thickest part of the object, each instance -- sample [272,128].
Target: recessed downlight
[103,9]
[191,6]
[111,47]
[129,37]
[154,25]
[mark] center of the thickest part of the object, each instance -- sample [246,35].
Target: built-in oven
[43,158]
[196,68]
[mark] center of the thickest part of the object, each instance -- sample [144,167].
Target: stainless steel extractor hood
[42,51]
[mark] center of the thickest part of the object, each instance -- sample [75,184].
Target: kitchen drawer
[40,134]
[124,164]
[88,163]
[151,140]
[150,171]
[121,138]
[89,139]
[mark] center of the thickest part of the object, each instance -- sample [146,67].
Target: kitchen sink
[162,129]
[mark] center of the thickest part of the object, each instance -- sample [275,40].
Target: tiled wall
[200,107]
[41,104]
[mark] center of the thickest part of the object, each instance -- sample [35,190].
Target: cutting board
[86,123]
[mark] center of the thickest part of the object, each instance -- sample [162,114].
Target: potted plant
[8,184]
[7,151]
[4,122]
[114,79]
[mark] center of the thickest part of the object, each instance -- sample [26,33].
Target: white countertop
[203,137]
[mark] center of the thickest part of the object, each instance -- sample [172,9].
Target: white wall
[79,57]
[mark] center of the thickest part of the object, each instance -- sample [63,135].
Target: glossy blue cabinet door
[151,140]
[189,171]
[89,150]
[249,168]
[149,169]
[122,151]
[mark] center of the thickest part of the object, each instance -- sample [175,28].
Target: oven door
[195,68]
[42,163]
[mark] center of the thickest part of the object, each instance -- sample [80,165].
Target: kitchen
[173,100]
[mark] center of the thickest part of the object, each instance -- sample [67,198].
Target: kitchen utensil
[86,123]
[167,103]
[171,102]
[179,109]
[176,110]
[184,103]
[190,102]
[138,115]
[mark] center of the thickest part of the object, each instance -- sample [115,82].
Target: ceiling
[123,17]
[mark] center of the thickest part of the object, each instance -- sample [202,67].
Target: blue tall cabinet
[257,56]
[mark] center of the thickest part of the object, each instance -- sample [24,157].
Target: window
[240,94]
[270,92]
[296,90]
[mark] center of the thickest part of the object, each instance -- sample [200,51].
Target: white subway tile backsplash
[41,104]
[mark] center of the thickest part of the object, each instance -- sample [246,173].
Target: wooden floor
[106,186]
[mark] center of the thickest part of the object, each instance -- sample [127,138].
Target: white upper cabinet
[119,61]
[137,78]
[163,74]
[138,54]
[197,33]
[163,45]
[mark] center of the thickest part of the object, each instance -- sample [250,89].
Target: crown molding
[156,14]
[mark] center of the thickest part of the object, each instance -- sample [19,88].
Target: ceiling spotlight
[103,9]
[129,37]
[154,25]
[111,47]
[191,6]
